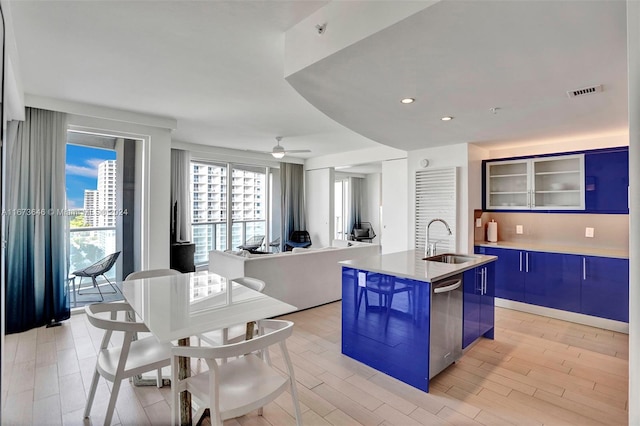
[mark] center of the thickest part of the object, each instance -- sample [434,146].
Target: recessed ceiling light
[447,118]
[408,100]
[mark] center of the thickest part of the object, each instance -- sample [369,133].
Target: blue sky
[82,171]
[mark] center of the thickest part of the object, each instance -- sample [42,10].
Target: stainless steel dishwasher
[445,341]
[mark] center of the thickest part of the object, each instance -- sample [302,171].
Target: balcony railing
[87,245]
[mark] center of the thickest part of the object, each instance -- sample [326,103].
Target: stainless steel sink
[450,258]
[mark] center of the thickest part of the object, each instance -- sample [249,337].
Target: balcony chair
[298,239]
[99,268]
[253,243]
[116,362]
[237,387]
[362,231]
[275,244]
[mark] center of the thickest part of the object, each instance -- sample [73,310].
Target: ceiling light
[447,118]
[278,155]
[408,100]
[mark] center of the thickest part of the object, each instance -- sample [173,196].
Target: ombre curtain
[292,187]
[36,255]
[180,195]
[356,186]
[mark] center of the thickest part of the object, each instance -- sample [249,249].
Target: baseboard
[607,324]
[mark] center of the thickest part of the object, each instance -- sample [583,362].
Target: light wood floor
[537,371]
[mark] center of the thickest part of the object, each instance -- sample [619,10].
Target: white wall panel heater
[436,197]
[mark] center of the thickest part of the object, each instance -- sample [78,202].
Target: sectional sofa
[303,278]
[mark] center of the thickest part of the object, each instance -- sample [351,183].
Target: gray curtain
[356,186]
[36,259]
[180,195]
[292,187]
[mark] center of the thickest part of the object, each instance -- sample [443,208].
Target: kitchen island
[410,318]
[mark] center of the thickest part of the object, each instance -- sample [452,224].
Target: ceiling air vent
[584,91]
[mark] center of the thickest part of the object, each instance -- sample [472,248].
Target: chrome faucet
[430,248]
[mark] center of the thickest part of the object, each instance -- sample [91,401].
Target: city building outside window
[214,225]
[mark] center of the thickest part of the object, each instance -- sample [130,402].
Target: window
[213,225]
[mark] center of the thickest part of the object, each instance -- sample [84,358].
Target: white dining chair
[237,387]
[138,275]
[237,332]
[117,362]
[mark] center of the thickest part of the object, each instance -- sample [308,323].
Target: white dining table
[179,306]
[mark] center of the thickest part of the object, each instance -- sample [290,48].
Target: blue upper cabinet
[607,181]
[594,181]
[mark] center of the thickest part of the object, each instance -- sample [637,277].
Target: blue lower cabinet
[605,287]
[478,303]
[591,285]
[385,324]
[552,280]
[470,307]
[509,276]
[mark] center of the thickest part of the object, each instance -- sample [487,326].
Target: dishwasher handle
[444,289]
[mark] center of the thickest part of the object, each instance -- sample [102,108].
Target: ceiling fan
[278,151]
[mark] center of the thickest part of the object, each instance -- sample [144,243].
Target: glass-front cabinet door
[558,183]
[508,185]
[544,183]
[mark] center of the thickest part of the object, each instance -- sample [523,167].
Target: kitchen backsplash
[610,231]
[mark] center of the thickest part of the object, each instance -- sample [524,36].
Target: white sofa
[303,278]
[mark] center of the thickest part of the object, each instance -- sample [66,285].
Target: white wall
[474,188]
[442,157]
[319,190]
[394,216]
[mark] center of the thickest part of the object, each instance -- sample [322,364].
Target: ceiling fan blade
[294,151]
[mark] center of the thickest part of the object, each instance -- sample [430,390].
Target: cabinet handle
[584,268]
[520,261]
[485,281]
[526,261]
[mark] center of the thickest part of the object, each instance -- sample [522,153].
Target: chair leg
[112,402]
[79,286]
[92,393]
[362,290]
[95,284]
[115,290]
[296,404]
[389,301]
[159,378]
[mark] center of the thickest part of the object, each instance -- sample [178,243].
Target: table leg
[184,371]
[250,330]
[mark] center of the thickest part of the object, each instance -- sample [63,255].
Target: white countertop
[178,306]
[557,248]
[409,264]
